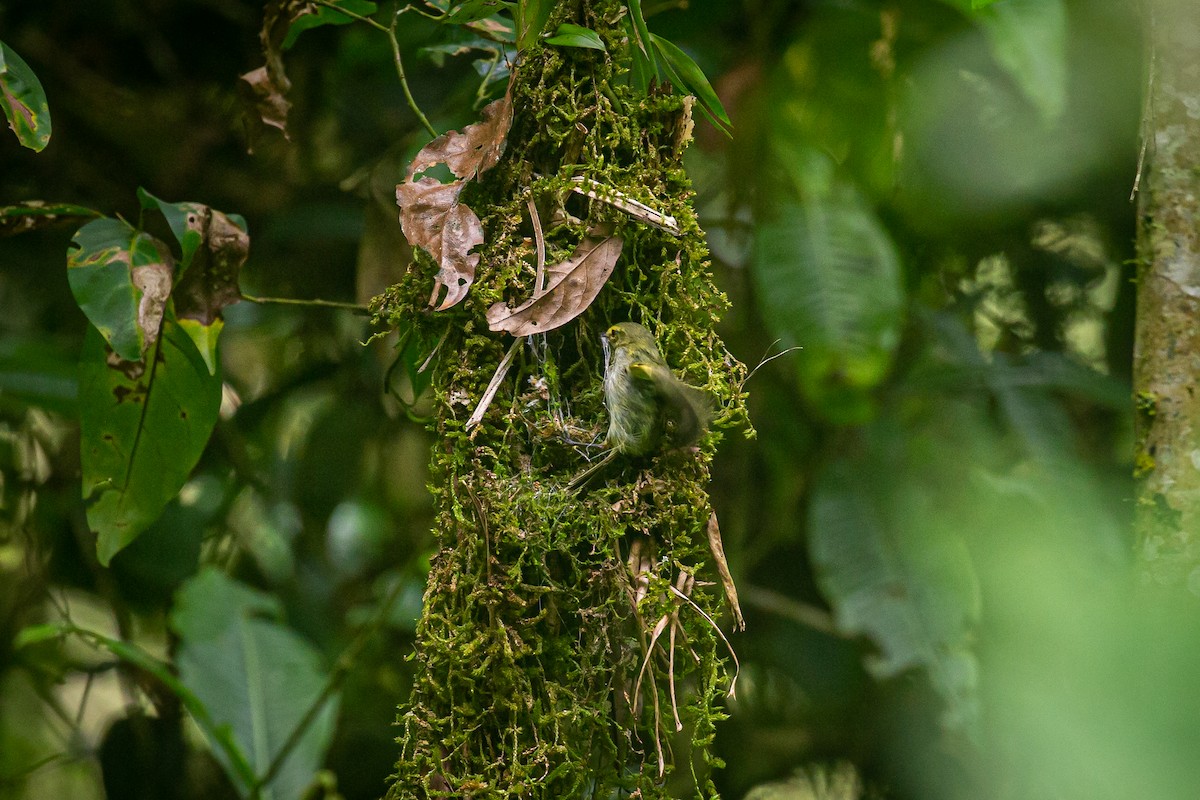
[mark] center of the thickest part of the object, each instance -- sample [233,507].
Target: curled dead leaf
[571,288]
[433,219]
[266,88]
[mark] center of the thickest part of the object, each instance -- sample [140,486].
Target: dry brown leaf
[571,288]
[210,282]
[476,149]
[266,87]
[430,214]
[718,552]
[433,219]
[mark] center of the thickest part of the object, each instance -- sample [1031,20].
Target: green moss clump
[538,676]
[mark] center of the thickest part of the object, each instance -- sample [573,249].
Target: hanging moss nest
[554,658]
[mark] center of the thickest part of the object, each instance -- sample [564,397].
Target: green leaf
[327,16]
[229,752]
[829,278]
[1029,40]
[23,101]
[474,10]
[641,68]
[36,634]
[121,279]
[256,677]
[688,74]
[569,35]
[34,215]
[533,15]
[894,571]
[177,216]
[35,371]
[143,427]
[641,33]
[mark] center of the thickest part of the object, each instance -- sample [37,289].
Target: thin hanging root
[671,674]
[579,481]
[493,386]
[766,359]
[658,629]
[539,242]
[737,665]
[637,210]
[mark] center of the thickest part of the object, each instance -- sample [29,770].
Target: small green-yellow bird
[649,409]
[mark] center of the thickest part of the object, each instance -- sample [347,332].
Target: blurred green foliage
[930,533]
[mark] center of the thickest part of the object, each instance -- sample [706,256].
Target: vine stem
[390,31]
[292,301]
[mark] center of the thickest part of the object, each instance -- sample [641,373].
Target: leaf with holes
[433,219]
[23,101]
[475,150]
[430,214]
[573,285]
[214,246]
[121,279]
[143,426]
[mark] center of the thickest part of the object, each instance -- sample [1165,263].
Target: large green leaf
[23,100]
[895,571]
[828,276]
[36,372]
[256,677]
[143,427]
[1029,39]
[121,279]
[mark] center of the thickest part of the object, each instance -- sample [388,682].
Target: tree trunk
[554,658]
[1167,350]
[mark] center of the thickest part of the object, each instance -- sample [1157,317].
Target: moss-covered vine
[537,619]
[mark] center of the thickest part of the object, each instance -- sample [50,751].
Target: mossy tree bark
[1167,349]
[554,658]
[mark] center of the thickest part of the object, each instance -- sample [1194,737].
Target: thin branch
[493,386]
[291,301]
[634,208]
[783,606]
[343,666]
[539,241]
[390,31]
